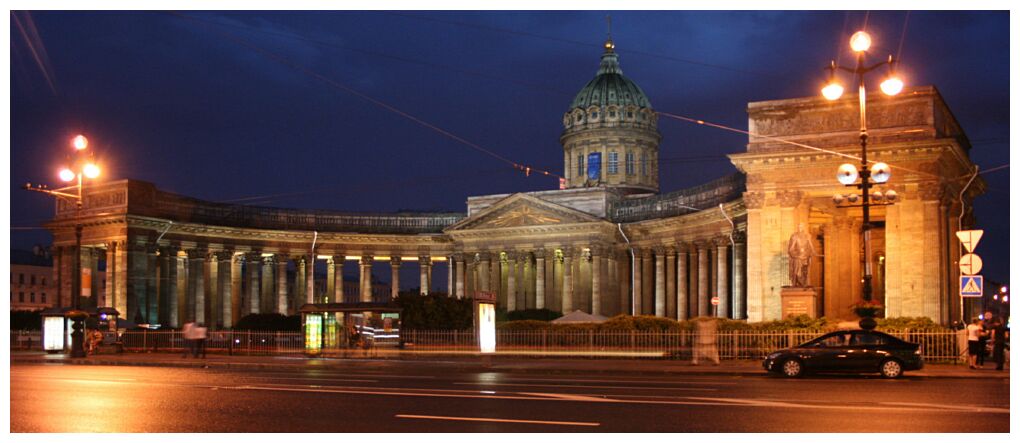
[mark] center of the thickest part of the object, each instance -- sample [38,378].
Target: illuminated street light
[860,41]
[879,173]
[81,167]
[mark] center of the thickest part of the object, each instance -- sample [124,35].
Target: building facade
[608,243]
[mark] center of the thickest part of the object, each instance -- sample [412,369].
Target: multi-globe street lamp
[878,173]
[81,165]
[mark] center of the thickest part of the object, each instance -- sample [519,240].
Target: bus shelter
[335,326]
[56,325]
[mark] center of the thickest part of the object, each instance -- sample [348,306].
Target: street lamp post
[81,166]
[879,172]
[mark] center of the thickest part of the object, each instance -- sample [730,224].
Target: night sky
[257,108]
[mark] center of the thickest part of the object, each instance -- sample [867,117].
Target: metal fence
[936,345]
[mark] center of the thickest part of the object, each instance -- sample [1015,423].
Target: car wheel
[890,369]
[792,368]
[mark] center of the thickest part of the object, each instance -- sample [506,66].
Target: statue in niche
[801,251]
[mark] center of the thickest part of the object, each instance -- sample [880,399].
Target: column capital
[395,261]
[484,256]
[424,259]
[269,260]
[789,198]
[659,250]
[337,258]
[721,241]
[224,255]
[754,200]
[366,259]
[457,256]
[645,253]
[540,253]
[170,250]
[597,250]
[739,237]
[568,251]
[197,253]
[253,256]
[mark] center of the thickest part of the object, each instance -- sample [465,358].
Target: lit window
[630,163]
[613,162]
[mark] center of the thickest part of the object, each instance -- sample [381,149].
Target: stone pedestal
[799,301]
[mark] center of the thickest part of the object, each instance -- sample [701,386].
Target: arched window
[614,160]
[630,163]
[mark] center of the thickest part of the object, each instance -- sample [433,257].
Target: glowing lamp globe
[852,198]
[892,86]
[860,41]
[66,175]
[832,91]
[880,172]
[91,170]
[846,174]
[891,195]
[80,142]
[877,195]
[837,199]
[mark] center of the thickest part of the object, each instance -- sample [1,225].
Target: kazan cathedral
[608,242]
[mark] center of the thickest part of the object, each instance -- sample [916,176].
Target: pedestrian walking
[974,333]
[986,333]
[201,333]
[706,341]
[188,332]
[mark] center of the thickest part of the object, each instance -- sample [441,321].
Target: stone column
[425,274]
[310,279]
[366,277]
[394,277]
[281,284]
[636,281]
[540,279]
[511,281]
[451,284]
[236,307]
[722,278]
[300,288]
[567,297]
[268,293]
[596,279]
[196,285]
[460,274]
[739,295]
[330,279]
[111,266]
[225,286]
[337,266]
[671,282]
[682,277]
[703,301]
[212,301]
[484,266]
[167,284]
[648,282]
[253,264]
[660,281]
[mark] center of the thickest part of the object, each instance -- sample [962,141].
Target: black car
[854,351]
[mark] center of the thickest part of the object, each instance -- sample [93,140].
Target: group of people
[982,330]
[195,335]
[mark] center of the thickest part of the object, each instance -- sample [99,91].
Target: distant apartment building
[32,284]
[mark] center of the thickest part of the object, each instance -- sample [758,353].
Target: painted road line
[613,380]
[657,388]
[498,420]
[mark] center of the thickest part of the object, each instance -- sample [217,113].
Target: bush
[434,312]
[269,322]
[26,320]
[533,314]
[908,323]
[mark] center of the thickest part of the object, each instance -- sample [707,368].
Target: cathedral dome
[610,86]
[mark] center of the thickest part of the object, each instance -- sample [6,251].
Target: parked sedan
[853,351]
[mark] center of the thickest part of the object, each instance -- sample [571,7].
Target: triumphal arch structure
[608,242]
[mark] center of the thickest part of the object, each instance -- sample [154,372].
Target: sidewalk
[462,363]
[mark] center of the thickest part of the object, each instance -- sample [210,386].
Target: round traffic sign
[970,264]
[715,301]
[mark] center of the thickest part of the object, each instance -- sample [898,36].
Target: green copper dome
[610,86]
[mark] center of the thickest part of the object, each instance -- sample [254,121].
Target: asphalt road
[436,397]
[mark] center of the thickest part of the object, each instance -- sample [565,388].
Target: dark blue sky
[195,103]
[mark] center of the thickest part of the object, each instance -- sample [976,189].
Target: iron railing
[936,345]
[680,202]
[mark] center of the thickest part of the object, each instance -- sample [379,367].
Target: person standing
[188,332]
[974,333]
[999,336]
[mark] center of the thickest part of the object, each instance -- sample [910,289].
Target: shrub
[435,312]
[908,323]
[269,322]
[26,320]
[533,314]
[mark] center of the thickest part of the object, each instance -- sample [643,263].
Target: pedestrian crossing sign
[971,285]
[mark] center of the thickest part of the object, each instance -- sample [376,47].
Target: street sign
[970,239]
[970,264]
[715,301]
[971,285]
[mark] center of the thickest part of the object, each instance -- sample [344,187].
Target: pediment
[522,210]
